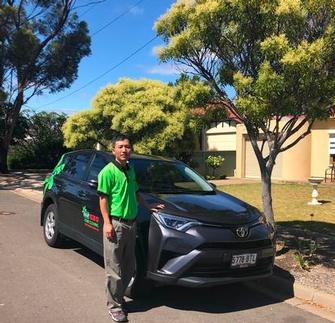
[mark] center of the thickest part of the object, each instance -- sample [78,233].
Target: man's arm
[154,207]
[108,229]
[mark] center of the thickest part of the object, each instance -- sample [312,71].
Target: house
[310,157]
[218,139]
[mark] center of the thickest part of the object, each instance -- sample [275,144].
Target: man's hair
[120,137]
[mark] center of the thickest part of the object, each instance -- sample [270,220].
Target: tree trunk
[267,196]
[9,130]
[3,159]
[266,167]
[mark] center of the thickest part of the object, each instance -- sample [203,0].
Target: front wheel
[51,232]
[139,286]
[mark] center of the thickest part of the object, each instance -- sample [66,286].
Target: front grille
[224,270]
[237,245]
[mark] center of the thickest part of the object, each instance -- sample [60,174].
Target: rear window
[98,164]
[76,165]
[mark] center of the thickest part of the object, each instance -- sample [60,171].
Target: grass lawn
[290,204]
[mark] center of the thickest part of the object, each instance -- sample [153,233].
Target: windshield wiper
[184,192]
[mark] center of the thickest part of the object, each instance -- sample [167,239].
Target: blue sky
[109,47]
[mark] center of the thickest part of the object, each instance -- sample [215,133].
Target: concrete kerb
[283,288]
[275,286]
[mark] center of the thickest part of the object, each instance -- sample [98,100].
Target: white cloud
[136,11]
[164,69]
[155,49]
[67,111]
[168,69]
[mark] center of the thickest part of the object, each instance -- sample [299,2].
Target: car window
[76,165]
[168,177]
[98,164]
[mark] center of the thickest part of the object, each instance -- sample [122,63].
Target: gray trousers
[119,257]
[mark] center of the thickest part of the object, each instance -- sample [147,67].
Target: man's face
[122,151]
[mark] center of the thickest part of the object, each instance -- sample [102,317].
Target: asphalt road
[41,284]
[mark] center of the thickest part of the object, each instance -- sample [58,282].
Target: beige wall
[320,146]
[221,137]
[297,160]
[221,142]
[295,163]
[240,150]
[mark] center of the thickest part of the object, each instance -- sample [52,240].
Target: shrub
[214,162]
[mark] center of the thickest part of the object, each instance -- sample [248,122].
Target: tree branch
[198,66]
[302,136]
[283,133]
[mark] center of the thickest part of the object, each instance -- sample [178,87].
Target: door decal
[49,180]
[90,220]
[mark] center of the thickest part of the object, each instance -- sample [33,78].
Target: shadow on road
[33,181]
[219,299]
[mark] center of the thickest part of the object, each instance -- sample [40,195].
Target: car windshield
[166,177]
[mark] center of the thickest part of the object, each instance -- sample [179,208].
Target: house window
[332,147]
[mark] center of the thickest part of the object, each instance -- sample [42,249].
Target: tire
[139,286]
[51,232]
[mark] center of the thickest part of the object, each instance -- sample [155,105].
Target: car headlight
[262,218]
[175,222]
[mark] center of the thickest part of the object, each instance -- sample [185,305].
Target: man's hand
[108,230]
[152,207]
[156,207]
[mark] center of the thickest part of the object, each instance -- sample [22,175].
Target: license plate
[245,260]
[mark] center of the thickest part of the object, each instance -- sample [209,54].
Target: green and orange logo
[90,220]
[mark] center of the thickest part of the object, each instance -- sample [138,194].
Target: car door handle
[82,194]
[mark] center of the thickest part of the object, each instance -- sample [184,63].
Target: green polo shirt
[119,185]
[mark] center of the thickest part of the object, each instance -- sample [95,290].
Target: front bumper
[202,256]
[202,281]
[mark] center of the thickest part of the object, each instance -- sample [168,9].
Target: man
[118,192]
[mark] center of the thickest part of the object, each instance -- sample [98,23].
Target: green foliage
[302,262]
[305,253]
[84,129]
[21,126]
[210,177]
[43,143]
[42,44]
[214,162]
[192,91]
[277,55]
[154,114]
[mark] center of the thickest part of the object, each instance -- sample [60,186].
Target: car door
[73,191]
[92,221]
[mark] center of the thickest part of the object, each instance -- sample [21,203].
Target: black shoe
[118,315]
[125,308]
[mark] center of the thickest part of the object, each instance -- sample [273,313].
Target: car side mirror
[93,183]
[213,185]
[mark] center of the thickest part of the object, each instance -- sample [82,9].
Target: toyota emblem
[242,232]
